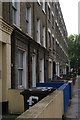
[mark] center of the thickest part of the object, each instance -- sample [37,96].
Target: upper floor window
[14,9]
[28,20]
[49,13]
[49,39]
[43,5]
[44,41]
[53,41]
[16,13]
[52,20]
[38,30]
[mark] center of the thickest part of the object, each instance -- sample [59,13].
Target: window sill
[17,26]
[29,35]
[39,3]
[44,47]
[44,11]
[39,43]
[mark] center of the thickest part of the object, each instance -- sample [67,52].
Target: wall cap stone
[39,107]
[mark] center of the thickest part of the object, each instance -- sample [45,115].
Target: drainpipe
[29,64]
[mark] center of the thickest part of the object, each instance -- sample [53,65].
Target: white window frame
[24,82]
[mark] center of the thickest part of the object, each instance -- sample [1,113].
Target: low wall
[16,101]
[49,107]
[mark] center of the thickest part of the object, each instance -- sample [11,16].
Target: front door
[41,70]
[33,71]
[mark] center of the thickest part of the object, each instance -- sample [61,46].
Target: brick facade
[54,56]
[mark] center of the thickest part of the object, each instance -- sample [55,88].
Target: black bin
[35,94]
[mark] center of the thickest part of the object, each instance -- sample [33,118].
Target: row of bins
[33,95]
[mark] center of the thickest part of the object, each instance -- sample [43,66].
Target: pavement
[73,110]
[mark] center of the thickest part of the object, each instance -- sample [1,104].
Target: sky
[70,14]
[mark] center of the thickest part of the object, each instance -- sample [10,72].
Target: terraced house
[61,42]
[33,44]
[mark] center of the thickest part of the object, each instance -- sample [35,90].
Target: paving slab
[73,111]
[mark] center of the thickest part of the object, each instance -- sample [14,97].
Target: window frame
[14,9]
[20,68]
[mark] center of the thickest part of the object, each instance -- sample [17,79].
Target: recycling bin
[33,95]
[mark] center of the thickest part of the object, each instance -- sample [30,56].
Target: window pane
[27,27]
[53,20]
[49,37]
[44,36]
[14,15]
[20,59]
[48,12]
[27,14]
[19,77]
[53,40]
